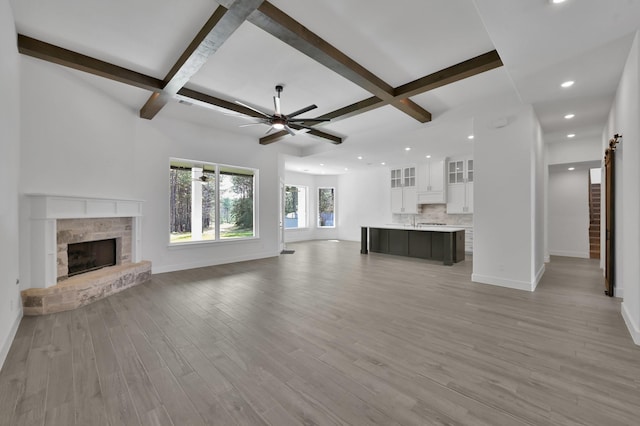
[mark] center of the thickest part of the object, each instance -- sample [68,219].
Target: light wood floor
[329,336]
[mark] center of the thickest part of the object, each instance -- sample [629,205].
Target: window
[326,207]
[210,202]
[295,207]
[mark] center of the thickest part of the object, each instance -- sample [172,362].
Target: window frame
[318,217]
[217,167]
[306,208]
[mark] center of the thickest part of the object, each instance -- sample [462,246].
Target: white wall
[364,199]
[10,304]
[623,119]
[77,140]
[574,151]
[569,213]
[508,199]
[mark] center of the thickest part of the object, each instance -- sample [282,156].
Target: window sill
[297,229]
[190,244]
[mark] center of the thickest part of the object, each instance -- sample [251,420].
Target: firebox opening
[91,255]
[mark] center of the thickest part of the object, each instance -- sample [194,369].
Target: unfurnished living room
[249,212]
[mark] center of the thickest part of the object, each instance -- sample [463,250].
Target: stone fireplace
[85,235]
[66,233]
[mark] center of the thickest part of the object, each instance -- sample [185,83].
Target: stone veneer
[80,290]
[71,231]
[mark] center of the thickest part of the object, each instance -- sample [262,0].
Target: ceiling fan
[280,121]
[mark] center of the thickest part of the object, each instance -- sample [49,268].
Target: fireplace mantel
[46,209]
[71,207]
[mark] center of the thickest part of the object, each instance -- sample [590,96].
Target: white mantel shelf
[45,206]
[46,209]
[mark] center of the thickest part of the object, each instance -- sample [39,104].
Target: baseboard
[618,292]
[538,277]
[569,253]
[547,258]
[6,345]
[210,262]
[501,282]
[633,328]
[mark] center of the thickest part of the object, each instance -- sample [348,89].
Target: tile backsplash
[435,213]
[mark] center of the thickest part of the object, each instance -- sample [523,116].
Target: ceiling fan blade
[239,115]
[269,131]
[302,111]
[251,124]
[309,120]
[303,126]
[253,109]
[288,129]
[276,105]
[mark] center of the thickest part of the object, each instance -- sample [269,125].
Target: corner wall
[508,198]
[10,304]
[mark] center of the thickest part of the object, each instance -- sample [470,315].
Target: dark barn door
[610,193]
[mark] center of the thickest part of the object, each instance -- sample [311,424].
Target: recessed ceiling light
[383,163]
[408,148]
[571,169]
[567,84]
[346,169]
[321,164]
[359,157]
[569,116]
[470,137]
[428,156]
[557,1]
[571,135]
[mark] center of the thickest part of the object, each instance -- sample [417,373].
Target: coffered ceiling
[346,56]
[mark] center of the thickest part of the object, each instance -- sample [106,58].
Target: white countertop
[431,228]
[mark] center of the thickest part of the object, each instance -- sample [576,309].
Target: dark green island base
[432,243]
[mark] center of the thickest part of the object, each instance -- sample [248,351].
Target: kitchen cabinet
[404,193]
[431,182]
[460,176]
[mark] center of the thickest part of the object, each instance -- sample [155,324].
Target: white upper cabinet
[404,190]
[431,182]
[460,186]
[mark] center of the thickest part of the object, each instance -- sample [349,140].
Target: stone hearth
[80,290]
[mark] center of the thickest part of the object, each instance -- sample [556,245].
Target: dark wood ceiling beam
[220,26]
[57,55]
[205,100]
[460,71]
[280,25]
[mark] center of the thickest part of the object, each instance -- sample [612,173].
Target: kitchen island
[445,243]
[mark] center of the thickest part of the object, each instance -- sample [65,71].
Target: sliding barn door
[610,196]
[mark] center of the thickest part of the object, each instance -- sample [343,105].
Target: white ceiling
[541,45]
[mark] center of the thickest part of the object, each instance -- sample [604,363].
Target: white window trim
[218,240]
[318,207]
